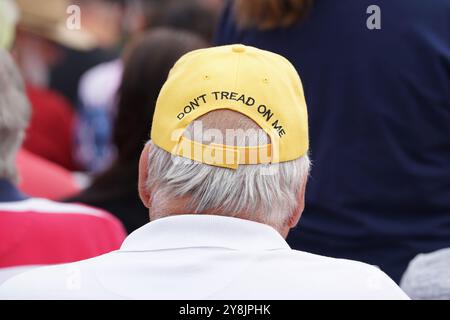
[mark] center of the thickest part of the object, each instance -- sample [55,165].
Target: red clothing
[43,179]
[50,134]
[40,232]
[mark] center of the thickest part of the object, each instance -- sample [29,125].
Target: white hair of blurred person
[265,193]
[15,113]
[8,19]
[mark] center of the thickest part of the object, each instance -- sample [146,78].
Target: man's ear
[143,176]
[295,218]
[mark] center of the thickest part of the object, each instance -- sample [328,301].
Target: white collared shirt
[205,257]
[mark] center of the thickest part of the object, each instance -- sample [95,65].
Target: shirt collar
[9,192]
[189,231]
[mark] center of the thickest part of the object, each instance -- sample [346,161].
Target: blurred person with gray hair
[32,167]
[15,114]
[35,231]
[428,276]
[224,179]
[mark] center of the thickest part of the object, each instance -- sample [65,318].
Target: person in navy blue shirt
[377,84]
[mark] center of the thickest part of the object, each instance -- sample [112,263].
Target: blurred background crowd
[74,83]
[379,103]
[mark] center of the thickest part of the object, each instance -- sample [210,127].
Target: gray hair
[14,115]
[266,193]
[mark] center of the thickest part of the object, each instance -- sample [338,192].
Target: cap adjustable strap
[222,155]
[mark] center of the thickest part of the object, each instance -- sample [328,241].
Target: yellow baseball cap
[259,84]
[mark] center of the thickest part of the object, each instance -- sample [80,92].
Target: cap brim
[73,39]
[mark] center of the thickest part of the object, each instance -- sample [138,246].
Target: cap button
[238,48]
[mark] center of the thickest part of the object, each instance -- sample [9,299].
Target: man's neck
[178,207]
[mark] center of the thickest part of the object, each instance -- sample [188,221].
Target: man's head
[229,137]
[14,115]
